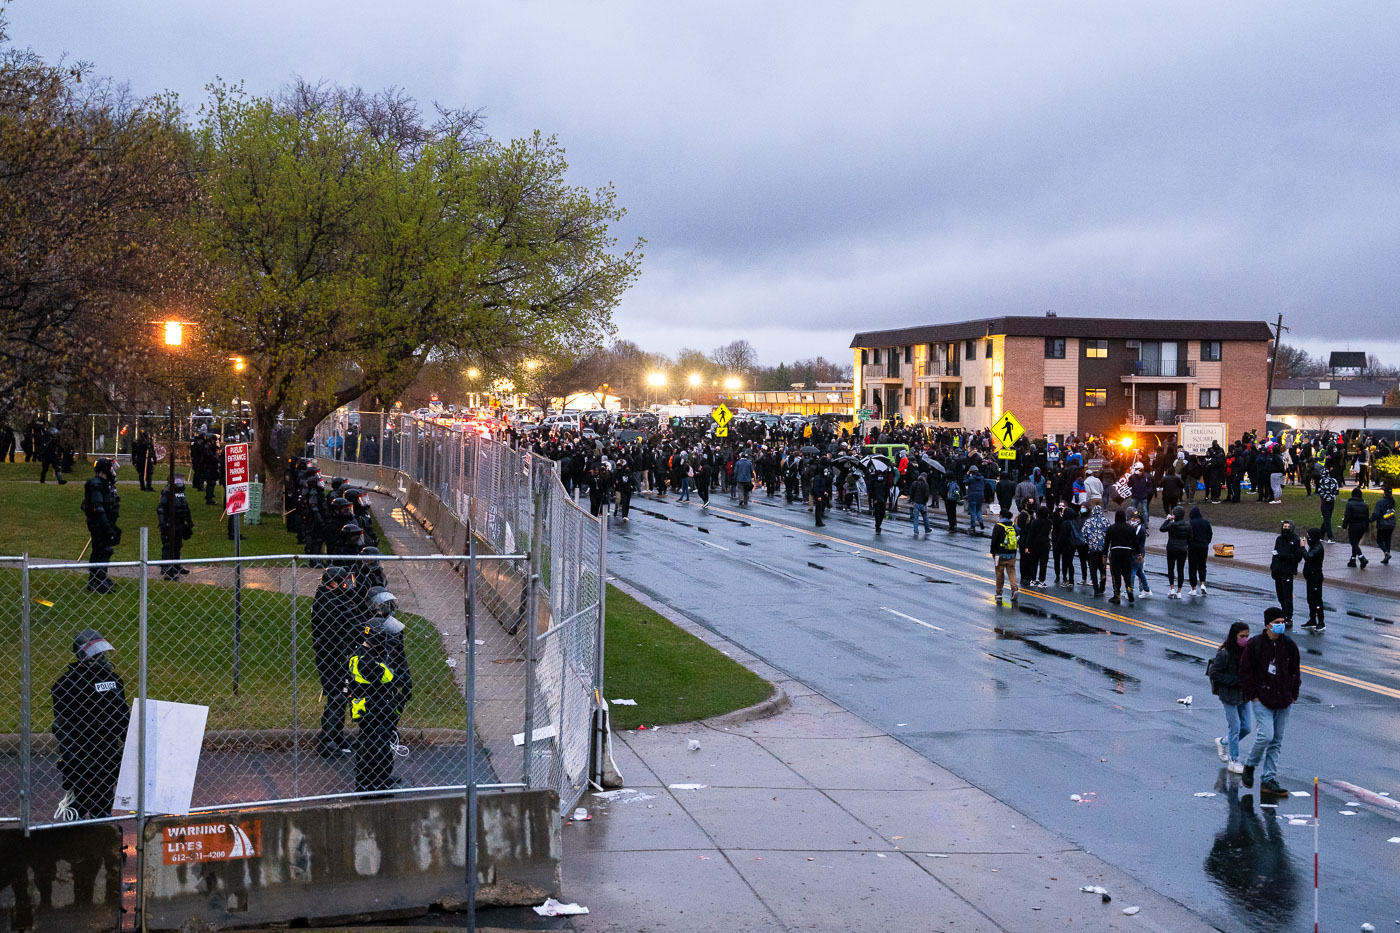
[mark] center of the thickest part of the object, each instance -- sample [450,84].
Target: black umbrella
[878,463]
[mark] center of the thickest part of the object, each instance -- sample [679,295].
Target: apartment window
[987,396]
[892,362]
[1054,348]
[1210,398]
[1054,396]
[932,397]
[1210,352]
[908,354]
[875,357]
[988,350]
[970,350]
[970,397]
[865,357]
[1096,349]
[1095,398]
[908,398]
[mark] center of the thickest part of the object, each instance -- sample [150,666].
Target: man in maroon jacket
[1270,675]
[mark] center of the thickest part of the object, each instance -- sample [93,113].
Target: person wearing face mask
[1314,554]
[1270,676]
[1224,673]
[1283,566]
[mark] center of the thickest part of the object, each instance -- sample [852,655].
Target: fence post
[532,602]
[471,730]
[141,639]
[25,687]
[296,693]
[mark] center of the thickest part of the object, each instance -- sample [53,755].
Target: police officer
[90,716]
[369,687]
[314,513]
[342,513]
[51,456]
[336,611]
[101,505]
[364,517]
[384,606]
[370,573]
[143,459]
[176,526]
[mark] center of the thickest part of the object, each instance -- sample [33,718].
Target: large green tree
[353,248]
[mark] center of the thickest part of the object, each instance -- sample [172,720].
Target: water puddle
[664,518]
[1064,625]
[726,518]
[1120,678]
[1174,655]
[817,566]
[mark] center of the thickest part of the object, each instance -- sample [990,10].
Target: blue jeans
[1238,724]
[915,510]
[974,514]
[685,488]
[1139,574]
[1268,739]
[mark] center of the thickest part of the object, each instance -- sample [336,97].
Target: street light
[695,379]
[174,333]
[655,381]
[174,339]
[732,383]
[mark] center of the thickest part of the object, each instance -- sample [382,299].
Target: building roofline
[1112,328]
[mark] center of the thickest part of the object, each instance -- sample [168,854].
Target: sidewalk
[1254,550]
[814,820]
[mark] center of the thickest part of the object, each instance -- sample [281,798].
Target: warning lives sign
[211,842]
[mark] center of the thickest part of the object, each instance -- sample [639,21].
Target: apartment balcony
[1161,420]
[934,371]
[1161,371]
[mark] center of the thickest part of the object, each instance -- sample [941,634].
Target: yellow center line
[1381,689]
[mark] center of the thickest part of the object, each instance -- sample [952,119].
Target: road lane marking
[1366,685]
[712,544]
[912,619]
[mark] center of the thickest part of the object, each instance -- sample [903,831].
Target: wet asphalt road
[1065,694]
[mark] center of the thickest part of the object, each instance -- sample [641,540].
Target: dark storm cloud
[803,170]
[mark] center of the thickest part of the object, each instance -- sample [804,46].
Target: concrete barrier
[348,862]
[65,880]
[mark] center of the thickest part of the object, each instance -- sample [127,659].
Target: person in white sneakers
[1178,531]
[1224,673]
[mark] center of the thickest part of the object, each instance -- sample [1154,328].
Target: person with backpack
[918,504]
[1384,519]
[1069,539]
[1005,546]
[951,497]
[1224,674]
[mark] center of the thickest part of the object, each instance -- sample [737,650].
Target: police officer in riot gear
[373,697]
[143,459]
[176,526]
[314,513]
[370,573]
[336,613]
[90,717]
[384,606]
[364,517]
[101,505]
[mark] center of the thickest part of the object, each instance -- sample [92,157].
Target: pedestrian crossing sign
[1007,430]
[722,416]
[1006,453]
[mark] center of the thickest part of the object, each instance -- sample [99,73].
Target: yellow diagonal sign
[1007,430]
[722,415]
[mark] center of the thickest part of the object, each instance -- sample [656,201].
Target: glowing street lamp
[732,383]
[694,379]
[174,333]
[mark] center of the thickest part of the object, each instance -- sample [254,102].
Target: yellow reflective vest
[359,693]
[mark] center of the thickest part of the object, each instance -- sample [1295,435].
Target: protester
[1270,676]
[1198,550]
[1313,558]
[1384,520]
[1178,531]
[1356,520]
[1224,674]
[1283,567]
[1004,548]
[1120,541]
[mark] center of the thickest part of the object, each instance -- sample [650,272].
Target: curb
[777,701]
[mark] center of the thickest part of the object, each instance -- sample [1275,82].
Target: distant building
[1334,404]
[1061,375]
[825,397]
[1346,363]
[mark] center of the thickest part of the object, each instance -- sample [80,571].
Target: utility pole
[1273,365]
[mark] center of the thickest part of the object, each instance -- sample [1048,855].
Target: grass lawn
[673,676]
[47,520]
[1305,512]
[191,646]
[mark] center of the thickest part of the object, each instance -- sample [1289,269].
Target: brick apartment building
[1057,375]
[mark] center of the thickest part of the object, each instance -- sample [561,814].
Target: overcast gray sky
[804,170]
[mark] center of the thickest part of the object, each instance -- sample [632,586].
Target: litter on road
[552,908]
[1204,793]
[687,786]
[1184,701]
[1394,839]
[1347,812]
[693,745]
[624,795]
[1131,910]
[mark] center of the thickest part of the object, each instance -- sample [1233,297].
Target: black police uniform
[176,527]
[101,505]
[90,717]
[369,685]
[336,611]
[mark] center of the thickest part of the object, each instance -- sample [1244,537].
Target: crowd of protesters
[1077,513]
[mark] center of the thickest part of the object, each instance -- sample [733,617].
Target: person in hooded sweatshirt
[1314,554]
[1178,531]
[1198,551]
[1356,519]
[1270,676]
[1120,540]
[1288,551]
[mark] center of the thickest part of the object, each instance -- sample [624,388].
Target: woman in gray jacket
[1224,673]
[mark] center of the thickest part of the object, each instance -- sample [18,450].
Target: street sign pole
[235,504]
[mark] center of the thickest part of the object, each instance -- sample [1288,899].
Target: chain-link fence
[269,680]
[507,501]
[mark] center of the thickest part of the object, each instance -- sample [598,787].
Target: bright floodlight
[731,383]
[695,379]
[473,373]
[174,333]
[656,379]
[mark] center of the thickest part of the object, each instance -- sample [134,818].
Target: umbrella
[932,463]
[877,464]
[848,462]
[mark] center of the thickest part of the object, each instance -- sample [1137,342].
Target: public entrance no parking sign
[236,478]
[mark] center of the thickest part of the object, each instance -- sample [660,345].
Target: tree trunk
[267,459]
